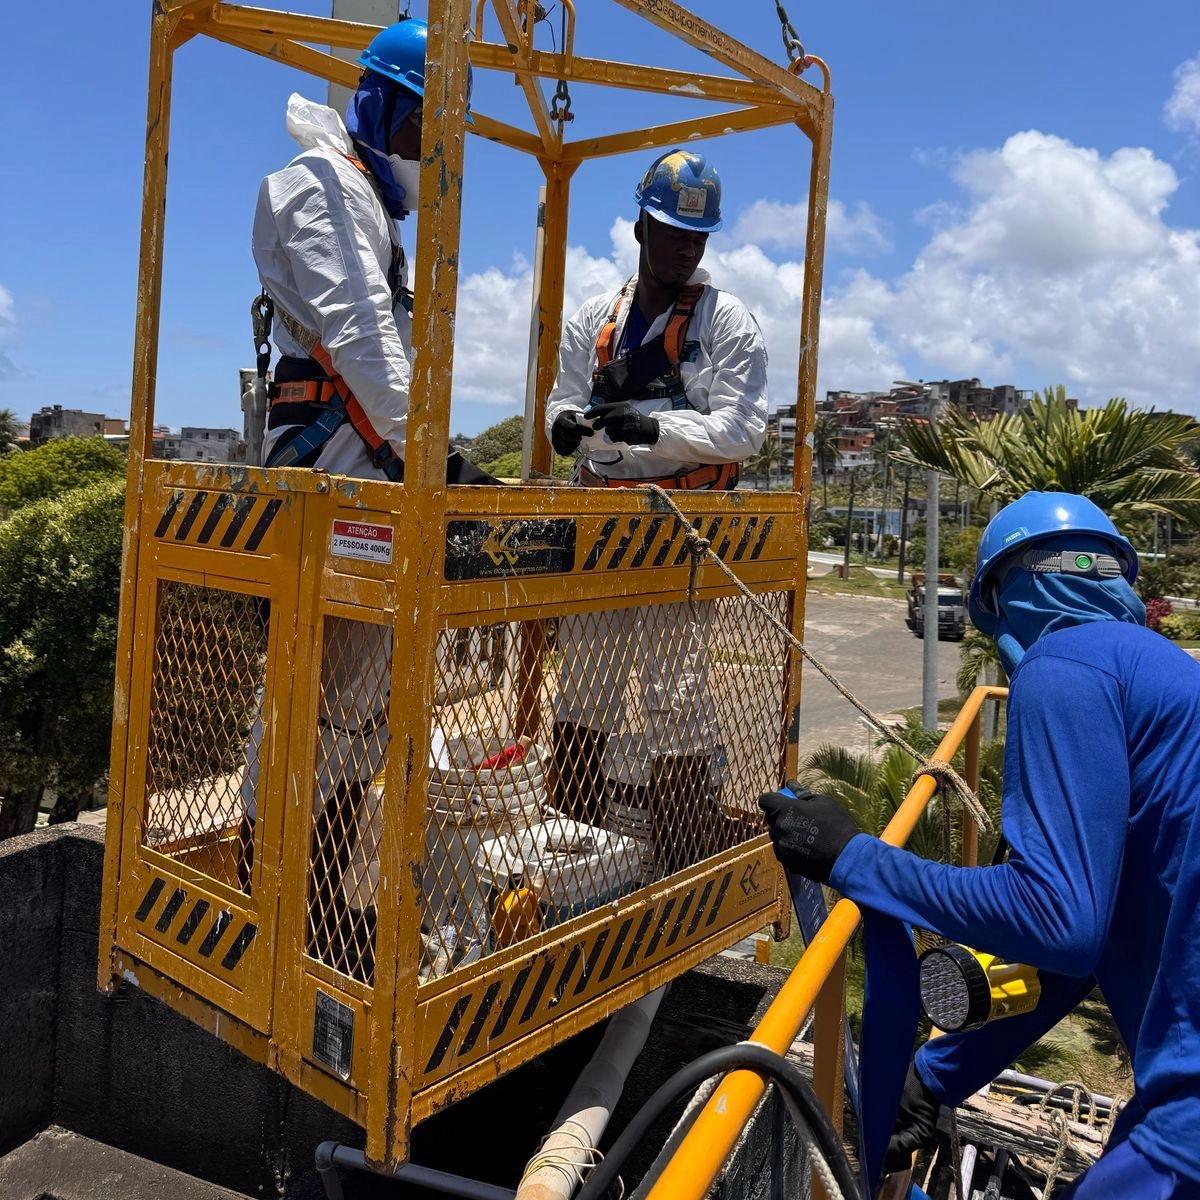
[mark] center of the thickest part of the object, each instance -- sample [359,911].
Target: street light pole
[929,680]
[849,526]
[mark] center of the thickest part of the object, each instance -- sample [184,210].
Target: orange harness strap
[715,477]
[673,335]
[381,451]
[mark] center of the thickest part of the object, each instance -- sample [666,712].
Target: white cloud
[784,226]
[1182,109]
[1053,263]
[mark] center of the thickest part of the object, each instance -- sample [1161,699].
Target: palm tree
[768,456]
[872,788]
[1129,461]
[825,435]
[8,430]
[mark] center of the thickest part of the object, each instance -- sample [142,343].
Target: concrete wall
[129,1072]
[124,1069]
[30,909]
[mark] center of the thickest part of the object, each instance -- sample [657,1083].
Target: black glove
[568,430]
[916,1124]
[809,830]
[623,423]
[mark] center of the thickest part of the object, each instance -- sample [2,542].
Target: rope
[565,1159]
[1059,1121]
[956,1157]
[942,773]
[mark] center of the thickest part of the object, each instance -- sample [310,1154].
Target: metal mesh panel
[209,663]
[577,760]
[348,796]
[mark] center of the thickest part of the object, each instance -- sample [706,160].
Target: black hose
[798,1094]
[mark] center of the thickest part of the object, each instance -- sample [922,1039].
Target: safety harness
[651,372]
[713,477]
[311,395]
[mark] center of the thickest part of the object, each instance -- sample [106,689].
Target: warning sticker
[369,543]
[333,1034]
[691,202]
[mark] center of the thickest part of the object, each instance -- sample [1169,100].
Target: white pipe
[555,1171]
[1044,1085]
[969,1155]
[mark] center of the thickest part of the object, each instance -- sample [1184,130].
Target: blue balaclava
[377,109]
[1032,604]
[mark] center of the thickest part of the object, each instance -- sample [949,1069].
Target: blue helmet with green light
[1018,534]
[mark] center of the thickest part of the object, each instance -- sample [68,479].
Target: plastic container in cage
[571,867]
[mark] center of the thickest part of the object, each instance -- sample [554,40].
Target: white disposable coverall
[726,387]
[323,244]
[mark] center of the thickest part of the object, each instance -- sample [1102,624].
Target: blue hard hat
[1035,518]
[681,188]
[398,52]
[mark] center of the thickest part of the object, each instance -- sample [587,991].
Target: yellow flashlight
[963,988]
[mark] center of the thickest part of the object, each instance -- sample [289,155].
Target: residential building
[54,421]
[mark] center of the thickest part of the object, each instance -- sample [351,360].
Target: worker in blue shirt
[1102,882]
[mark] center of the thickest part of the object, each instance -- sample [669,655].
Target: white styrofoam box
[571,866]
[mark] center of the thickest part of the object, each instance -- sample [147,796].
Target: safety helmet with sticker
[1033,519]
[683,189]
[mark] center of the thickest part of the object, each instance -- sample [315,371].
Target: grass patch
[860,583]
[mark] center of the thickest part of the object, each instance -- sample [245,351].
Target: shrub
[1181,626]
[1155,611]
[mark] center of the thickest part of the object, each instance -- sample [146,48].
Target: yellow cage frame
[263,1004]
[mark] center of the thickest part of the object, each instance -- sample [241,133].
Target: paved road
[862,640]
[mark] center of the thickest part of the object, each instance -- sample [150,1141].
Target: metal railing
[817,982]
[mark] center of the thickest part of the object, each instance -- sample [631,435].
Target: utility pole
[849,525]
[364,12]
[929,681]
[903,528]
[929,673]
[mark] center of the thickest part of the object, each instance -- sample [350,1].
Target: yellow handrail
[699,1158]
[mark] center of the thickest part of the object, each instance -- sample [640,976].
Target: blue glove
[809,830]
[623,423]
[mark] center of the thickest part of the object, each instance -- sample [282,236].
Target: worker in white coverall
[326,242]
[663,382]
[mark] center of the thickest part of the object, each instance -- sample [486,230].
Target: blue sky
[1014,187]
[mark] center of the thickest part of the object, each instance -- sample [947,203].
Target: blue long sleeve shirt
[1102,882]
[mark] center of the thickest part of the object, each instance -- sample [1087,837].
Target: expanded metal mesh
[576,760]
[209,664]
[348,797]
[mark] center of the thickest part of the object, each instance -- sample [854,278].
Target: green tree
[508,466]
[8,430]
[873,786]
[1129,461]
[56,467]
[502,438]
[60,564]
[767,459]
[825,435]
